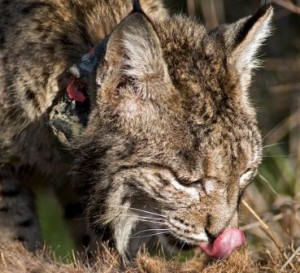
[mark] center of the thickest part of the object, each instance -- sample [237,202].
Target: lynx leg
[75,218]
[18,221]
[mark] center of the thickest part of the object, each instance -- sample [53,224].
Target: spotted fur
[171,140]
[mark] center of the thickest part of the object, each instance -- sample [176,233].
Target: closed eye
[207,184]
[197,184]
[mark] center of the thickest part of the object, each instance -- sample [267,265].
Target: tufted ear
[134,53]
[243,39]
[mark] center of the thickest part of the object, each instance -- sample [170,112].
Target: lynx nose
[211,236]
[210,229]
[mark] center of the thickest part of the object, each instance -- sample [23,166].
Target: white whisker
[271,131]
[278,156]
[149,235]
[272,145]
[146,218]
[152,213]
[152,222]
[151,229]
[140,210]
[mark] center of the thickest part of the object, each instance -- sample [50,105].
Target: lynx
[139,120]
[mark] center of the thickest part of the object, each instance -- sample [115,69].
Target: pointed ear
[243,39]
[134,50]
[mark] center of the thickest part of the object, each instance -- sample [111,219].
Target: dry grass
[16,259]
[278,251]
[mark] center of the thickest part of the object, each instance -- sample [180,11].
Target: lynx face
[172,141]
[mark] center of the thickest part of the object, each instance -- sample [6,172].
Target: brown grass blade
[266,229]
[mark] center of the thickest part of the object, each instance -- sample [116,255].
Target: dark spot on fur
[128,150]
[28,9]
[132,183]
[85,240]
[125,199]
[188,158]
[51,50]
[206,117]
[10,193]
[25,223]
[72,210]
[30,95]
[181,221]
[2,41]
[20,239]
[65,40]
[165,182]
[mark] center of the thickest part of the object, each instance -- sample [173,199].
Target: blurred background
[275,195]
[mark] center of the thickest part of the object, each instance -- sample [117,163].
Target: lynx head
[172,140]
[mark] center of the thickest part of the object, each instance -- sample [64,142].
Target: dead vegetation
[15,259]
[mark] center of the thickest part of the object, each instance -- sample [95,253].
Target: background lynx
[169,140]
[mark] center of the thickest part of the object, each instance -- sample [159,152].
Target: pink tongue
[224,244]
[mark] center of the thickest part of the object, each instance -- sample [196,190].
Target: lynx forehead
[158,136]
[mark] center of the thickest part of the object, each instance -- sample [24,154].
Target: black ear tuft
[243,39]
[263,10]
[137,6]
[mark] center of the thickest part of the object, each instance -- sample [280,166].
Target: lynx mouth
[224,244]
[179,243]
[219,248]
